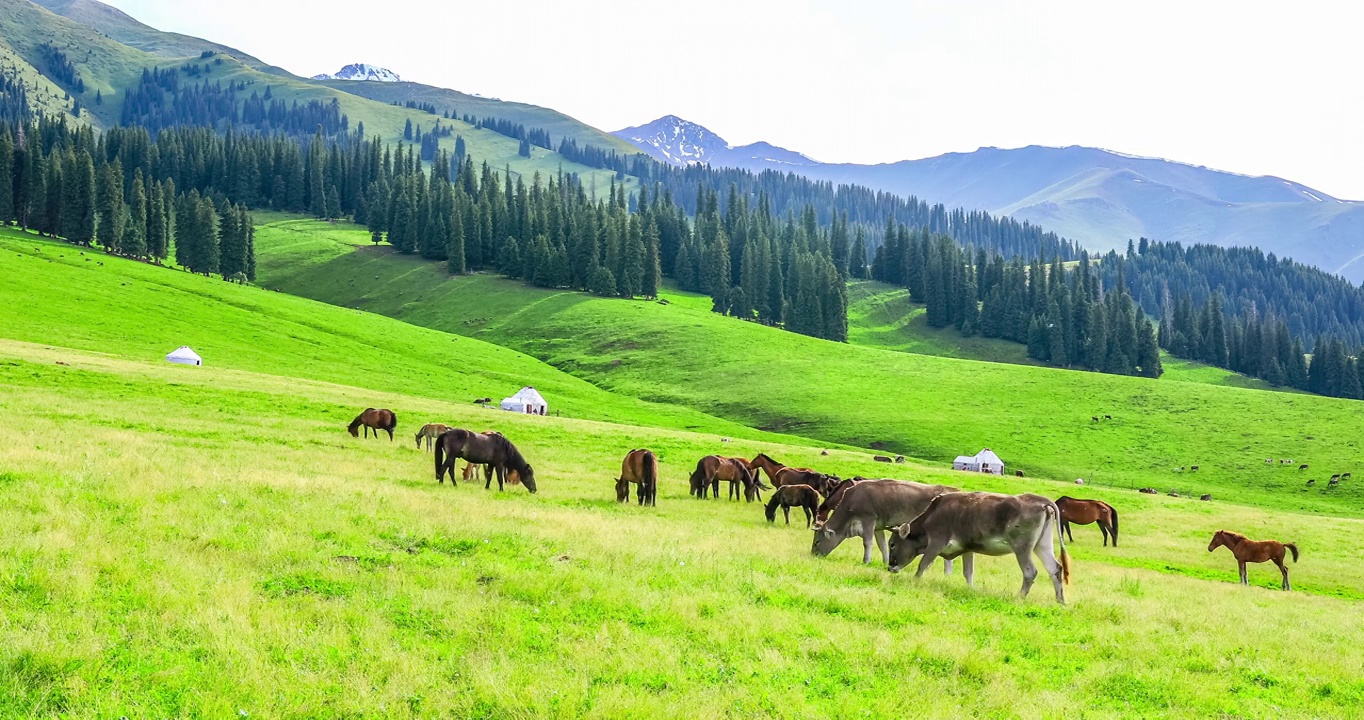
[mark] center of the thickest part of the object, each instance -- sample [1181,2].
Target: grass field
[181,541]
[933,408]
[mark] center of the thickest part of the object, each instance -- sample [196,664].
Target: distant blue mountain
[1096,197]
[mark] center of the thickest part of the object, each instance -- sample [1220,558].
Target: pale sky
[1262,88]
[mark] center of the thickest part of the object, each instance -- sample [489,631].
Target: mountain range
[361,72]
[1099,198]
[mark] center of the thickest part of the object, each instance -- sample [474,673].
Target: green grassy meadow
[180,541]
[933,408]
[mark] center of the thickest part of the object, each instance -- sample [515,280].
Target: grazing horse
[430,431]
[783,475]
[831,500]
[491,449]
[802,496]
[1256,551]
[711,469]
[375,420]
[1084,512]
[640,467]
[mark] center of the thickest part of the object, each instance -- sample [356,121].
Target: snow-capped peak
[676,141]
[361,71]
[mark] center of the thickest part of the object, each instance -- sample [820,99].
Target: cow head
[826,539]
[904,547]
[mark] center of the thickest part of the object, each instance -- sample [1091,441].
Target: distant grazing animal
[1335,477]
[1256,551]
[1094,418]
[1108,417]
[782,475]
[1302,467]
[1174,494]
[1205,498]
[712,469]
[1333,483]
[962,524]
[470,471]
[1269,460]
[881,458]
[832,499]
[639,467]
[492,449]
[1018,473]
[430,431]
[1084,512]
[899,458]
[1311,482]
[375,420]
[1344,476]
[870,508]
[1193,468]
[1079,481]
[787,496]
[483,401]
[823,452]
[1149,491]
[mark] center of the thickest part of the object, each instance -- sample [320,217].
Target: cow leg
[947,567]
[968,568]
[867,534]
[930,554]
[1048,557]
[1029,570]
[881,543]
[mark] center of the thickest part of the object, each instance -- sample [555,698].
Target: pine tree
[82,206]
[135,228]
[857,260]
[632,263]
[509,259]
[1148,351]
[6,177]
[454,249]
[157,228]
[652,274]
[110,206]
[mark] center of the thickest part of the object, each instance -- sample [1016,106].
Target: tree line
[65,182]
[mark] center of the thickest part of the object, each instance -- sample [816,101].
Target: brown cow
[868,509]
[962,524]
[802,496]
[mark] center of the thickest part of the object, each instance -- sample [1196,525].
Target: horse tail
[650,472]
[1115,524]
[392,421]
[1065,558]
[1294,549]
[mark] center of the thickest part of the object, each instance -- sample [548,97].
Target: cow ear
[903,530]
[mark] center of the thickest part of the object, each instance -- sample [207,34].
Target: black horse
[491,449]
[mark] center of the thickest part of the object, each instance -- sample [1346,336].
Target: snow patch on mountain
[361,71]
[681,142]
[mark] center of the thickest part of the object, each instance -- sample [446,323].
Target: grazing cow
[870,508]
[1193,468]
[1344,476]
[1269,460]
[1205,498]
[1333,483]
[1018,473]
[881,458]
[1311,482]
[1174,494]
[1254,551]
[1302,467]
[1094,418]
[823,452]
[1108,417]
[786,496]
[1149,491]
[962,524]
[1335,477]
[1079,481]
[1084,512]
[899,458]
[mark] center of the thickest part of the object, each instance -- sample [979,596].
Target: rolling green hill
[934,408]
[180,541]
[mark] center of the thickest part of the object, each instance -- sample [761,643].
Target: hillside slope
[208,542]
[934,408]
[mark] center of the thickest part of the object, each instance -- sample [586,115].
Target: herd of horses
[925,521]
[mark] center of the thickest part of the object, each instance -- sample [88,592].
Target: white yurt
[184,356]
[984,461]
[528,401]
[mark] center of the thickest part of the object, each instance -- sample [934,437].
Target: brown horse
[1257,551]
[491,449]
[430,431]
[375,420]
[831,500]
[786,496]
[1084,512]
[639,467]
[783,475]
[711,469]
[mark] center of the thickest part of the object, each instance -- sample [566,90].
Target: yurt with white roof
[528,400]
[184,356]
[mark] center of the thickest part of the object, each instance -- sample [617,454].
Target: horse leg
[1284,569]
[809,516]
[501,476]
[390,434]
[487,476]
[1065,525]
[1245,580]
[1103,528]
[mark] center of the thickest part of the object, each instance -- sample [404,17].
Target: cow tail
[1065,558]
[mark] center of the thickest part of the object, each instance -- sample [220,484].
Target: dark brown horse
[831,500]
[786,496]
[1084,512]
[783,475]
[639,467]
[711,469]
[484,449]
[375,420]
[1256,551]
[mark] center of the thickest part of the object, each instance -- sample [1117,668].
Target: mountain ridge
[361,72]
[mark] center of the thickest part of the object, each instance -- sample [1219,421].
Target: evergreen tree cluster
[118,192]
[162,99]
[1064,316]
[534,136]
[60,68]
[14,108]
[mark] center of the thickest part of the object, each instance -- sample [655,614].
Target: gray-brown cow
[962,524]
[870,508]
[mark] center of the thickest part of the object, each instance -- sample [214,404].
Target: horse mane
[1230,534]
[514,460]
